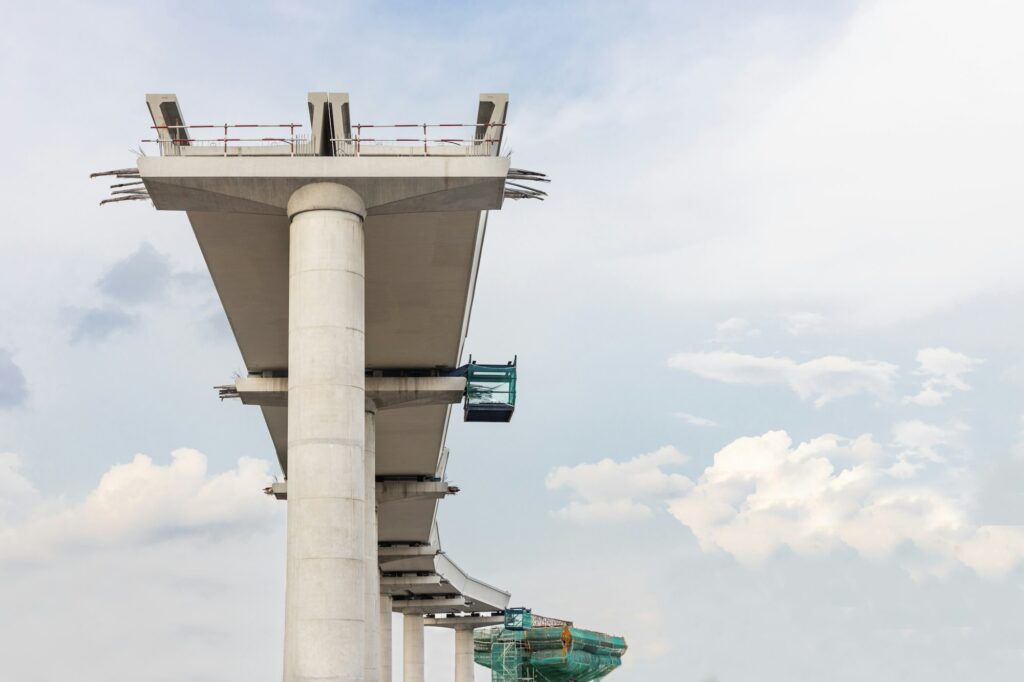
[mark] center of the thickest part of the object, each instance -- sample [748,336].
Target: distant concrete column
[464,654]
[372,652]
[325,600]
[412,647]
[385,638]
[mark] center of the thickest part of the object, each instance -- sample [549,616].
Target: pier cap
[325,196]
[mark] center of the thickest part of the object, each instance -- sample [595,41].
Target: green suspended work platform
[490,392]
[543,651]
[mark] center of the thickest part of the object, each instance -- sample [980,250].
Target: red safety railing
[180,137]
[176,140]
[353,146]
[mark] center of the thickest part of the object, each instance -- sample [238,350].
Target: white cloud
[735,328]
[994,550]
[605,510]
[944,371]
[619,491]
[804,322]
[16,492]
[765,493]
[848,203]
[919,443]
[136,503]
[694,420]
[824,379]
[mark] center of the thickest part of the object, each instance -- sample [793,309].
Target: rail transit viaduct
[346,257]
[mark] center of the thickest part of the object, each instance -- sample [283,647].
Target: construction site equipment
[521,652]
[490,392]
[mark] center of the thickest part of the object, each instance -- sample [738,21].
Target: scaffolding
[507,661]
[523,652]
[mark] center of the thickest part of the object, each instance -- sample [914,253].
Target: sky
[770,422]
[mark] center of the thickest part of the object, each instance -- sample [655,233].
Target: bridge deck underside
[420,271]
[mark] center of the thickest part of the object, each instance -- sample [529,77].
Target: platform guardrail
[180,140]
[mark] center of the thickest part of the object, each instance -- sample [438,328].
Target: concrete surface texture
[464,654]
[325,609]
[412,648]
[385,638]
[372,653]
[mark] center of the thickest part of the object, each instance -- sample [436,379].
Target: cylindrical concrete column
[412,647]
[385,638]
[325,609]
[464,654]
[372,652]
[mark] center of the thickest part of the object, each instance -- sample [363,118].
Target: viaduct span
[346,260]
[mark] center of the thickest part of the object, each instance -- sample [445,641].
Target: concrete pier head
[325,599]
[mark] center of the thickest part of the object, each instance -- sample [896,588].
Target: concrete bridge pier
[373,635]
[412,647]
[464,654]
[385,637]
[325,597]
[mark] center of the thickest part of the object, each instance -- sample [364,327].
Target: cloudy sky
[770,422]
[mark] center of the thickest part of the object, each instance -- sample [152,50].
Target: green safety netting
[547,654]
